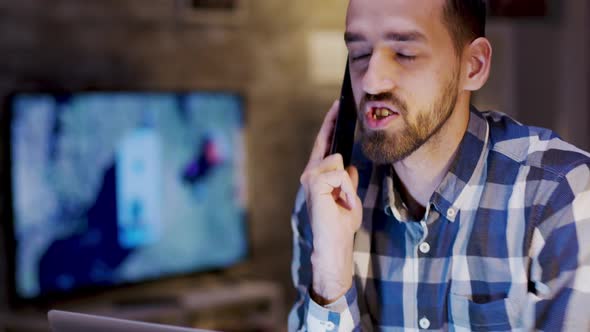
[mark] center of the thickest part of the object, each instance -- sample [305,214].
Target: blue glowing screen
[117,188]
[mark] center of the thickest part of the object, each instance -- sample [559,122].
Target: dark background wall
[541,76]
[541,70]
[163,44]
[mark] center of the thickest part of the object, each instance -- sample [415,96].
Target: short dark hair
[466,21]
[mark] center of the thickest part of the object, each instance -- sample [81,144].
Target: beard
[384,147]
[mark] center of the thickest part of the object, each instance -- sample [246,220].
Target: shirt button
[330,326]
[424,247]
[424,323]
[451,213]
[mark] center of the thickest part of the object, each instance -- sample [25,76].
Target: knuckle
[303,178]
[334,160]
[343,174]
[307,178]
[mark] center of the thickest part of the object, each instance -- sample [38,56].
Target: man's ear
[478,60]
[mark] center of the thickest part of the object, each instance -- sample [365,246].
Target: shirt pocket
[496,315]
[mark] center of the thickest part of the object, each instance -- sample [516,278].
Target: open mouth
[379,117]
[380,113]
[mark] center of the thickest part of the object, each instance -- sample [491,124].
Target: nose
[379,76]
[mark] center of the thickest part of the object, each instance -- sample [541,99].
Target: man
[453,219]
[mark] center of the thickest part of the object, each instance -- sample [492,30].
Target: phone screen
[343,136]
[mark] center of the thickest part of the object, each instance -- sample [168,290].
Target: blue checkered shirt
[500,247]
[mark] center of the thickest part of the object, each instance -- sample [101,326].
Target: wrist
[331,276]
[328,293]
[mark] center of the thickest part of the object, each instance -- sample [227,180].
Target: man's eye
[360,57]
[406,57]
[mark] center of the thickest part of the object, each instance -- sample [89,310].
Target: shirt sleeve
[306,314]
[560,266]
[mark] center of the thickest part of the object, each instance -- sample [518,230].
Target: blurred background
[279,65]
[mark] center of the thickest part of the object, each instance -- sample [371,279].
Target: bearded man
[451,218]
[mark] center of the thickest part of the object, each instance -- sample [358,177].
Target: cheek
[421,93]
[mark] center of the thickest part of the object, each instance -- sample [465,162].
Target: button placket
[424,247]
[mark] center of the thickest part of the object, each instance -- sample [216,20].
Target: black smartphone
[343,135]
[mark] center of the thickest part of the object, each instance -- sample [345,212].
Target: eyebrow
[408,36]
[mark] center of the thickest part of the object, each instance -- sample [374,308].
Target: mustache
[387,97]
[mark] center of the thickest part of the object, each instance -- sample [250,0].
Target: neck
[421,173]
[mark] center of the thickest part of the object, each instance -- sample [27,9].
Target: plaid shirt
[500,246]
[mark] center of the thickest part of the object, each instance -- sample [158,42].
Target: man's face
[405,74]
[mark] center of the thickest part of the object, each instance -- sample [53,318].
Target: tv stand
[244,305]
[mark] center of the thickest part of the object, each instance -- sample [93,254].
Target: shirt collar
[466,171]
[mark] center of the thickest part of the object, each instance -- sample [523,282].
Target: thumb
[354,176]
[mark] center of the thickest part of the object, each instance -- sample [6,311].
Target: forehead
[374,16]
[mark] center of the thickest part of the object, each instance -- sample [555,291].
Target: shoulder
[534,147]
[555,174]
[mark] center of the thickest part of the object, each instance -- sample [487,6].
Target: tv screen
[112,188]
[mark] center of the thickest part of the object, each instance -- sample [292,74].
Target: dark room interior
[273,68]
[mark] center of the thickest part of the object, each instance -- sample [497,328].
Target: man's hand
[335,212]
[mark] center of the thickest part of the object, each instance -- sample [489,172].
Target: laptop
[65,321]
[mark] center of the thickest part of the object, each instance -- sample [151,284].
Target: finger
[354,176]
[332,162]
[327,182]
[323,138]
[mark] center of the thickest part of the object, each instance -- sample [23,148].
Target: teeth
[381,113]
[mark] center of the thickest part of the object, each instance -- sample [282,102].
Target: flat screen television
[117,188]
